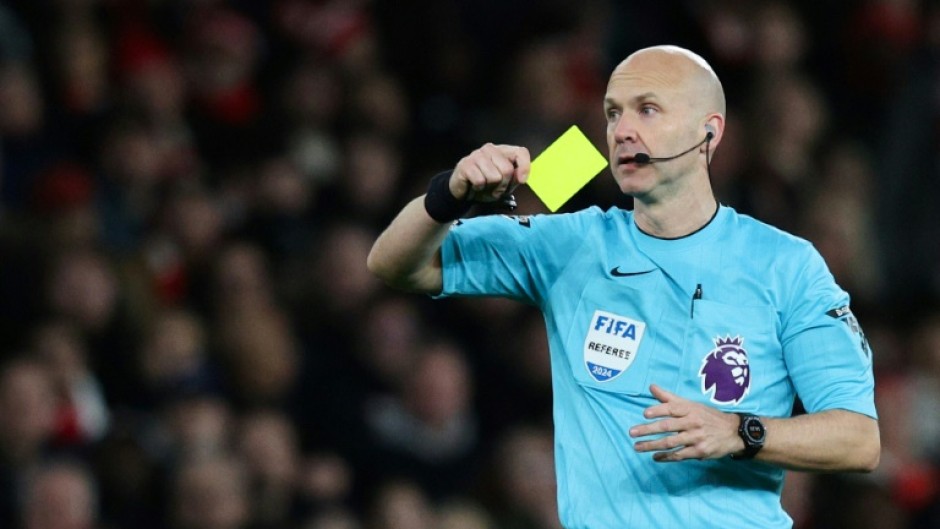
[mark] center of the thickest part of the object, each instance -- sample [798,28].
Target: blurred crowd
[189,188]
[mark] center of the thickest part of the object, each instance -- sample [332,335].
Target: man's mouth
[626,159]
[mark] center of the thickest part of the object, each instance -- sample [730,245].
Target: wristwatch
[752,432]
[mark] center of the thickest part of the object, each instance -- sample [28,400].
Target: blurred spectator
[82,415]
[839,221]
[427,432]
[526,480]
[60,495]
[261,355]
[519,377]
[374,362]
[192,427]
[463,515]
[27,424]
[877,40]
[152,86]
[131,176]
[129,471]
[23,110]
[789,119]
[84,84]
[241,279]
[174,359]
[379,104]
[84,290]
[338,30]
[906,150]
[388,346]
[282,202]
[325,483]
[313,101]
[63,197]
[221,62]
[195,222]
[341,284]
[267,444]
[27,411]
[373,177]
[779,40]
[911,460]
[401,504]
[26,144]
[210,493]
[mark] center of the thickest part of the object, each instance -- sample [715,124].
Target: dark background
[189,189]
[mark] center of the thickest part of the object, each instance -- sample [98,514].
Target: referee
[680,333]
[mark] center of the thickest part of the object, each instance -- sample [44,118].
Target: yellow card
[566,166]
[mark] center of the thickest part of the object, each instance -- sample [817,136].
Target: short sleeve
[517,257]
[827,355]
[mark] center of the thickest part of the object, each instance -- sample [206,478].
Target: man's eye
[647,110]
[613,114]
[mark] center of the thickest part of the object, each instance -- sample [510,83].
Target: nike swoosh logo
[615,271]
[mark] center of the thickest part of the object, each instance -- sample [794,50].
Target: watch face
[754,429]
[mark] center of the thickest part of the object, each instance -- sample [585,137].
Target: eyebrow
[608,102]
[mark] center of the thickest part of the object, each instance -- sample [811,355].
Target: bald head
[667,104]
[681,69]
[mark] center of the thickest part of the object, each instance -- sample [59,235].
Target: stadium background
[188,191]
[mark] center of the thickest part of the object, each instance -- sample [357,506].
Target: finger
[663,426]
[489,170]
[503,162]
[662,395]
[659,410]
[506,169]
[673,456]
[673,409]
[669,442]
[519,156]
[471,173]
[673,404]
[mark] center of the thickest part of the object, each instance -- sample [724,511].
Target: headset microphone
[641,158]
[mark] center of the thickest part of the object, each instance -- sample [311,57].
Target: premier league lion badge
[725,372]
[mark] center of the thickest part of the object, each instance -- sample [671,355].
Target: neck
[677,217]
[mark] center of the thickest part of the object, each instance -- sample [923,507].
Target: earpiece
[709,132]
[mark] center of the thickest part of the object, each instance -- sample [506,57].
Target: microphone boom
[641,158]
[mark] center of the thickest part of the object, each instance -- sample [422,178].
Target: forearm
[406,254]
[832,440]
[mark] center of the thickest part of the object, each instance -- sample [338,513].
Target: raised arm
[407,254]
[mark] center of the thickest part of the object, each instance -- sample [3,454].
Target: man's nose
[624,130]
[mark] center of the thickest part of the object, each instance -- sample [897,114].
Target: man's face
[650,108]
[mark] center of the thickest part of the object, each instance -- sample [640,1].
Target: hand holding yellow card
[566,166]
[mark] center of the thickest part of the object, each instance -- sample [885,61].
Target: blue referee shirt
[738,315]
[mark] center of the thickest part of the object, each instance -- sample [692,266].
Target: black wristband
[440,203]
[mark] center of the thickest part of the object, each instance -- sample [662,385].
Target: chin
[633,186]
